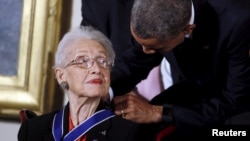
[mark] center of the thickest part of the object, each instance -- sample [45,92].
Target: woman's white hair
[81,32]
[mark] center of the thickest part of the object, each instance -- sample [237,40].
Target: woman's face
[84,71]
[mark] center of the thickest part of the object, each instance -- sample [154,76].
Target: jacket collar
[98,131]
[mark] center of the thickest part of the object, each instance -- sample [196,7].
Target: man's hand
[134,108]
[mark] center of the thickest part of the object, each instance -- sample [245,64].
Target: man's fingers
[119,99]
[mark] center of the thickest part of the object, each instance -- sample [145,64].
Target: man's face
[153,45]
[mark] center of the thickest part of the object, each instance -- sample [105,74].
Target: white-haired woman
[83,62]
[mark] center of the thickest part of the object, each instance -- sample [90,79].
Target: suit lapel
[48,137]
[175,69]
[99,132]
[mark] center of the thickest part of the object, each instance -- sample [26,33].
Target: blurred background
[9,128]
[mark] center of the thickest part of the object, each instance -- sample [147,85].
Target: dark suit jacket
[40,129]
[112,17]
[211,71]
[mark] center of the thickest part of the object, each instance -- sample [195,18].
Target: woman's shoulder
[41,119]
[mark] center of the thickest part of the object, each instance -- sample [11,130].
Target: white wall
[9,129]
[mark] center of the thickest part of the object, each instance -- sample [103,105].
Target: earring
[64,85]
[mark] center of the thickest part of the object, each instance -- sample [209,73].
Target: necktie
[152,85]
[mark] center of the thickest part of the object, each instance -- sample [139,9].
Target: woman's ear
[189,29]
[59,75]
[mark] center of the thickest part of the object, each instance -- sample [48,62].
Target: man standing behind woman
[112,17]
[83,62]
[207,44]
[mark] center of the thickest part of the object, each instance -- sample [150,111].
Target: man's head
[160,25]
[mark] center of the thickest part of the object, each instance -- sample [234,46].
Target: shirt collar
[192,14]
[192,18]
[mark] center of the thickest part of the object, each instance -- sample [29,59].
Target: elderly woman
[82,66]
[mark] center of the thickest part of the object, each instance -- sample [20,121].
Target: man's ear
[189,29]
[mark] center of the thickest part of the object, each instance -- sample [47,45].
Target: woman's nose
[95,68]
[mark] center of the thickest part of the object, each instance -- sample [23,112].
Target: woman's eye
[102,61]
[84,60]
